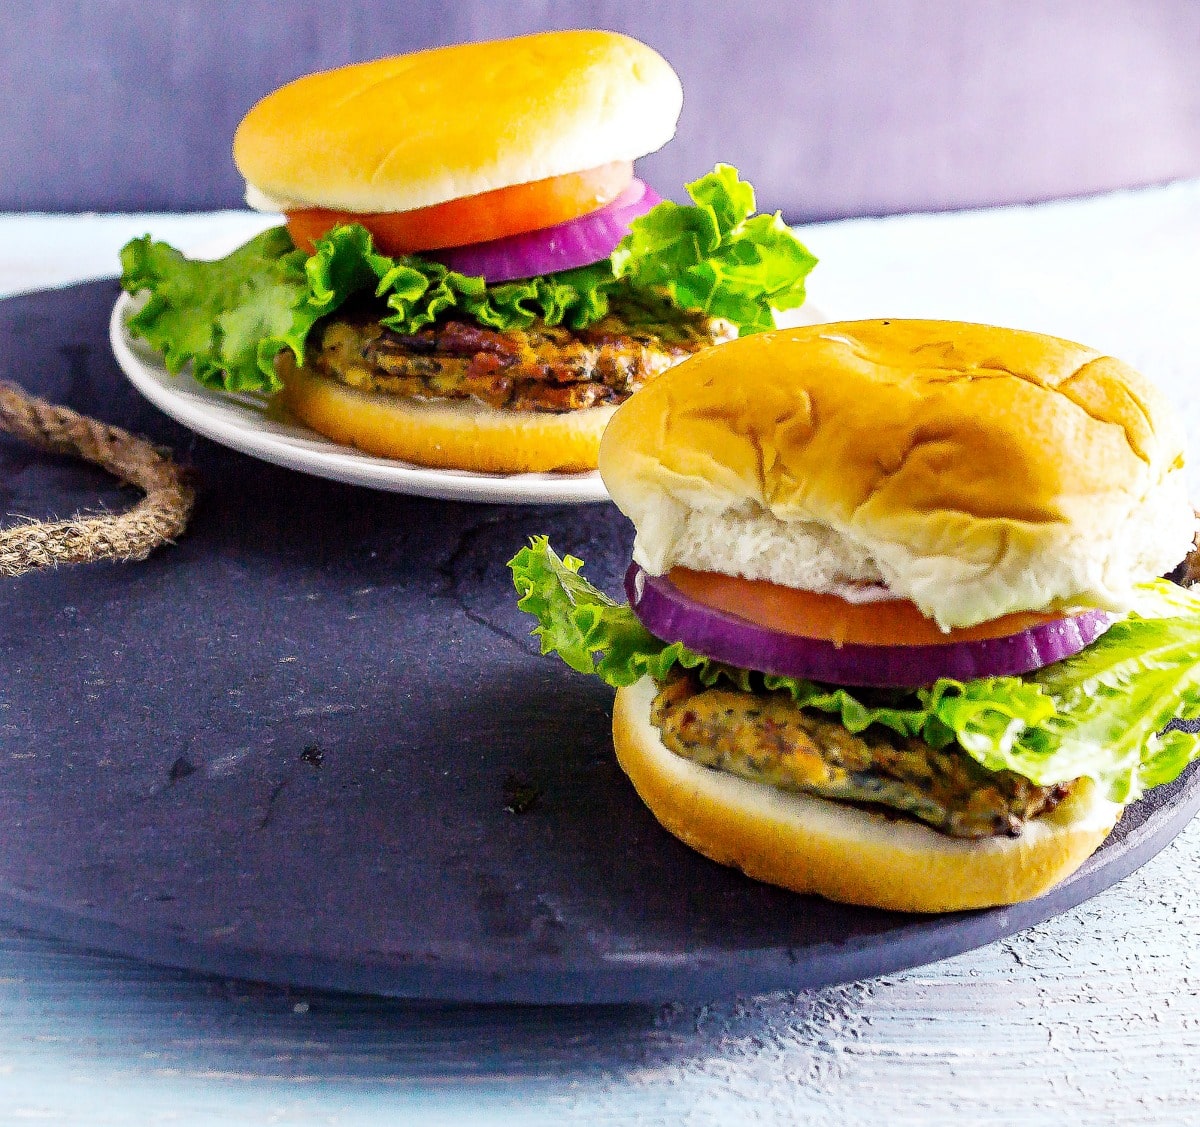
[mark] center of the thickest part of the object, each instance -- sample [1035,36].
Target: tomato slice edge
[481,218]
[830,618]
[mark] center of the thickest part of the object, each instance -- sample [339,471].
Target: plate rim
[187,405]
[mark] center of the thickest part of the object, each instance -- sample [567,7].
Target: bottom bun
[844,852]
[446,434]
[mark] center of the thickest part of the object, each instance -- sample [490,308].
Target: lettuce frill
[231,317]
[1102,714]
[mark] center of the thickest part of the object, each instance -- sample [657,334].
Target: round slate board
[294,746]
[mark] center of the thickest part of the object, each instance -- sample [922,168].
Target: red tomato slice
[896,622]
[474,219]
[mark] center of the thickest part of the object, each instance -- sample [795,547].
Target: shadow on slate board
[287,747]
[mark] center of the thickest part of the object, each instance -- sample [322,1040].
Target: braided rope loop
[159,518]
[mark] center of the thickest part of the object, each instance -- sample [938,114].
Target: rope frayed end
[158,519]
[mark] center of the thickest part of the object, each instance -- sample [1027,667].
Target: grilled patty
[765,737]
[542,368]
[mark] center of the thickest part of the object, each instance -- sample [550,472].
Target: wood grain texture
[1093,1017]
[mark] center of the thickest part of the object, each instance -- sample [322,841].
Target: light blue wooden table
[1091,1017]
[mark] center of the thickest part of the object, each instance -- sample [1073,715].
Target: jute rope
[157,519]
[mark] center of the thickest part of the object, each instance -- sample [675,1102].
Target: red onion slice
[582,241]
[671,615]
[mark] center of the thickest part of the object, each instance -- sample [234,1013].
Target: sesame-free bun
[458,434]
[975,470]
[845,852]
[415,130]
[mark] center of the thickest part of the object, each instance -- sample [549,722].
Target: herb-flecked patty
[767,738]
[541,368]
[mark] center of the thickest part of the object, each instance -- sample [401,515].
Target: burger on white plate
[470,275]
[894,632]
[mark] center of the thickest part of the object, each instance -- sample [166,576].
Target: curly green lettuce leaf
[418,291]
[589,631]
[229,318]
[718,256]
[1116,699]
[1099,714]
[715,256]
[594,634]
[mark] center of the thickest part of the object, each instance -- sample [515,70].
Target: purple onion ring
[578,242]
[671,615]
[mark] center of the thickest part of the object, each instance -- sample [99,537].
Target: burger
[469,274]
[895,634]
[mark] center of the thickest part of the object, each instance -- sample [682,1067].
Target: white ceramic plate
[244,423]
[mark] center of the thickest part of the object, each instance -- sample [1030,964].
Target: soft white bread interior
[419,129]
[843,852]
[975,470]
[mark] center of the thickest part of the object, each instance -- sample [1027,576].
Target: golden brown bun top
[415,130]
[982,470]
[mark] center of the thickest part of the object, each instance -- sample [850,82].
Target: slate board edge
[925,940]
[682,974]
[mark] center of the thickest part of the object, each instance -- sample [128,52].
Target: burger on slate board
[470,275]
[894,632]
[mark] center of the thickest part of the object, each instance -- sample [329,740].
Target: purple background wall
[831,107]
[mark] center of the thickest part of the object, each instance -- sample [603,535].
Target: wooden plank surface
[1093,1017]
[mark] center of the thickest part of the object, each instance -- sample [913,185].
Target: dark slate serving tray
[293,748]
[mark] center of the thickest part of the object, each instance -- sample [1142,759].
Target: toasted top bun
[416,130]
[843,852]
[975,470]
